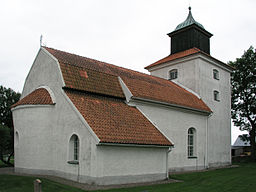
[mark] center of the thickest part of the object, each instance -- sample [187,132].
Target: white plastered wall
[219,136]
[174,123]
[130,164]
[44,131]
[196,73]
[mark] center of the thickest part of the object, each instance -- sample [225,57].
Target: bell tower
[191,66]
[190,34]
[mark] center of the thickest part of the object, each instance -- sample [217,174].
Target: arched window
[173,74]
[216,95]
[216,74]
[73,149]
[191,142]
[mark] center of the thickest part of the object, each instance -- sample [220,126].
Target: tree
[243,81]
[7,98]
[6,144]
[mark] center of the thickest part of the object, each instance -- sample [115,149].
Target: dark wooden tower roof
[190,34]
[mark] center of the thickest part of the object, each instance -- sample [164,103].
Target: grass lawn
[13,183]
[238,179]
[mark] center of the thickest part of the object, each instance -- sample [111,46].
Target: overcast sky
[128,33]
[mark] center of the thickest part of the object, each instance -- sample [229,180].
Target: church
[97,123]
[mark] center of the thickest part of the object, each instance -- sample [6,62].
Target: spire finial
[189,8]
[41,40]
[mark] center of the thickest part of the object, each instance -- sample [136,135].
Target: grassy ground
[233,179]
[13,183]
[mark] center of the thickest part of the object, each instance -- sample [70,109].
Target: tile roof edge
[22,106]
[172,143]
[186,88]
[80,116]
[49,91]
[93,60]
[133,145]
[153,64]
[173,105]
[45,50]
[126,91]
[222,63]
[56,60]
[92,93]
[45,47]
[198,52]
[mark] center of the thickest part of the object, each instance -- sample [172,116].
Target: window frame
[191,146]
[173,74]
[216,95]
[74,149]
[216,74]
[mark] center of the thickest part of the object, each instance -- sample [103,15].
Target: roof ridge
[130,77]
[148,75]
[93,60]
[75,55]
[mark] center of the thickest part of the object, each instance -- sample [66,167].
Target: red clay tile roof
[38,97]
[140,84]
[113,121]
[185,54]
[165,91]
[91,81]
[175,56]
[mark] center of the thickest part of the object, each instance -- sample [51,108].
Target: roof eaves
[173,105]
[218,61]
[22,106]
[230,68]
[154,64]
[133,145]
[190,26]
[80,116]
[95,93]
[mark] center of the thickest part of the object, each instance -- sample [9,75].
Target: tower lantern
[189,34]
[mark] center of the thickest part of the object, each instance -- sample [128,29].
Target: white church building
[95,122]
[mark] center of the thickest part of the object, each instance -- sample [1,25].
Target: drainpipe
[206,157]
[167,167]
[78,172]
